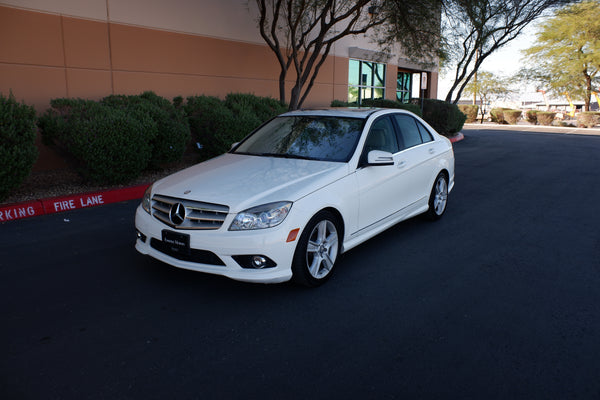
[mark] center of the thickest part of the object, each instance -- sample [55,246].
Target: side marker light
[292,235]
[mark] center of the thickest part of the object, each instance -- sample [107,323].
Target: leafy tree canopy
[474,29]
[488,87]
[566,57]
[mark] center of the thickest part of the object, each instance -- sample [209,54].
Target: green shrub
[588,119]
[497,115]
[108,144]
[173,131]
[217,124]
[512,116]
[545,117]
[470,111]
[445,118]
[177,101]
[384,103]
[17,143]
[264,108]
[212,125]
[531,116]
[56,119]
[339,103]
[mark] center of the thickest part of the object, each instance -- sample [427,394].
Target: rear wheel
[438,199]
[317,250]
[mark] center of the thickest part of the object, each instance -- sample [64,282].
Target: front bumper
[224,244]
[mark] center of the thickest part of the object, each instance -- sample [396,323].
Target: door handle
[431,150]
[402,164]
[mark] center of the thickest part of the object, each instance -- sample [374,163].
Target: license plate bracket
[178,243]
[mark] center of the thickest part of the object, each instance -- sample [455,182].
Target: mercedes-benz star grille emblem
[177,214]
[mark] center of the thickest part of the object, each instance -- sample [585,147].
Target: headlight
[146,203]
[261,217]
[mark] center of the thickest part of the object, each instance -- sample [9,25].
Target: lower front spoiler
[230,270]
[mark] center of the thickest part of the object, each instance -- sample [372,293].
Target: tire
[438,199]
[317,251]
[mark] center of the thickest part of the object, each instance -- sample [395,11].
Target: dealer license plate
[178,242]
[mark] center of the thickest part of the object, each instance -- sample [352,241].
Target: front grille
[195,255]
[198,215]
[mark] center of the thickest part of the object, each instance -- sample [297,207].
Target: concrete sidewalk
[526,127]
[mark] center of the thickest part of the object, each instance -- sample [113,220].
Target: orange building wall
[45,56]
[48,55]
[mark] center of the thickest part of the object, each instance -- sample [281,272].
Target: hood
[242,181]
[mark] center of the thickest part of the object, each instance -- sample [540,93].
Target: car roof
[349,112]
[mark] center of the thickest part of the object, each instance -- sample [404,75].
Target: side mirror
[378,157]
[233,146]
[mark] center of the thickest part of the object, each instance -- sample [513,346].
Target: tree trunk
[588,91]
[294,98]
[282,86]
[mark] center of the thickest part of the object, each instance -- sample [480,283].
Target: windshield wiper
[284,155]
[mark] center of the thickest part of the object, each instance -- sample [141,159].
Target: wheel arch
[300,273]
[445,172]
[339,217]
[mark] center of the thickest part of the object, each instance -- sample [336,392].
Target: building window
[404,87]
[366,80]
[408,85]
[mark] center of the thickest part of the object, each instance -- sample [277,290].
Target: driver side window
[382,136]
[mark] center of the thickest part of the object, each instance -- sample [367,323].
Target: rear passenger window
[425,135]
[409,131]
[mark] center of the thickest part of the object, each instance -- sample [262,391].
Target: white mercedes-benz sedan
[297,192]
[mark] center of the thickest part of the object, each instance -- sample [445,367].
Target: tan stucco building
[93,48]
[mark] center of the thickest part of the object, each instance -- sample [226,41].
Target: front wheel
[438,199]
[317,250]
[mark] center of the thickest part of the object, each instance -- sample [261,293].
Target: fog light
[254,261]
[259,262]
[141,236]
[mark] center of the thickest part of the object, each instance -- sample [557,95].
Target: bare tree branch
[481,27]
[301,33]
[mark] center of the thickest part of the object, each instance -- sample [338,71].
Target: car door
[380,186]
[415,160]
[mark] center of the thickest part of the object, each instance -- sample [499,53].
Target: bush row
[538,117]
[497,115]
[216,124]
[588,119]
[115,139]
[17,143]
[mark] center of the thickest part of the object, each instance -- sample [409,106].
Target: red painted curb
[72,202]
[457,138]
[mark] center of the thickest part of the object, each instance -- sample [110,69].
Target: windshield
[308,137]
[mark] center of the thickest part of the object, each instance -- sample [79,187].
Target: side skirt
[374,229]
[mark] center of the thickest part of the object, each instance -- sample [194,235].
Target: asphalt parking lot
[500,299]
